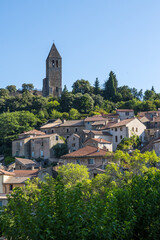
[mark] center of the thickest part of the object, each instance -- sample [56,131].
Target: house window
[73,144]
[10,187]
[42,142]
[91,161]
[56,63]
[56,89]
[133,129]
[67,137]
[115,129]
[88,122]
[32,154]
[78,161]
[121,137]
[73,138]
[121,128]
[56,138]
[116,139]
[127,113]
[42,154]
[75,129]
[67,130]
[136,129]
[53,63]
[52,131]
[21,144]
[0,203]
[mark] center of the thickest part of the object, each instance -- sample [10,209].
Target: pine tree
[96,87]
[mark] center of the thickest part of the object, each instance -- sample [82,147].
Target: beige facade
[42,146]
[127,128]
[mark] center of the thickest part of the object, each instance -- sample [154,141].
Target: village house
[51,126]
[25,164]
[87,134]
[42,146]
[125,113]
[99,143]
[36,144]
[21,146]
[73,142]
[89,156]
[95,122]
[127,128]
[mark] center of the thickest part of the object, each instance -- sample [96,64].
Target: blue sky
[92,36]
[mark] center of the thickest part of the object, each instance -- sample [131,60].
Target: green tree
[27,87]
[97,89]
[110,87]
[81,86]
[74,114]
[11,88]
[60,149]
[72,174]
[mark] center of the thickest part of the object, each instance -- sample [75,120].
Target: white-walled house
[127,128]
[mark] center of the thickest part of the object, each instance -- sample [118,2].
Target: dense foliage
[110,206]
[84,100]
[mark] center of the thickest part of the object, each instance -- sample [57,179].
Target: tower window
[53,63]
[56,63]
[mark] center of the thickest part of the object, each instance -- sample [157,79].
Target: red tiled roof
[124,110]
[26,173]
[3,172]
[87,151]
[95,118]
[122,123]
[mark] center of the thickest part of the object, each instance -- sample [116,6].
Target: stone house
[95,122]
[42,146]
[125,113]
[105,134]
[99,143]
[73,142]
[89,156]
[51,127]
[21,146]
[127,128]
[25,164]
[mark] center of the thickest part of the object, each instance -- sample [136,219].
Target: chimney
[32,167]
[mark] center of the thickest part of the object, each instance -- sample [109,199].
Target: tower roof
[54,52]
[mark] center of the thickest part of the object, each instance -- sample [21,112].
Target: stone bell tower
[52,84]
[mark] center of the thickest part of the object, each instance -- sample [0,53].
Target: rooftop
[121,123]
[27,162]
[99,140]
[32,132]
[124,110]
[87,151]
[95,118]
[74,123]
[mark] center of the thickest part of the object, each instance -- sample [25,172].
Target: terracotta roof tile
[100,140]
[27,162]
[26,173]
[87,151]
[3,172]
